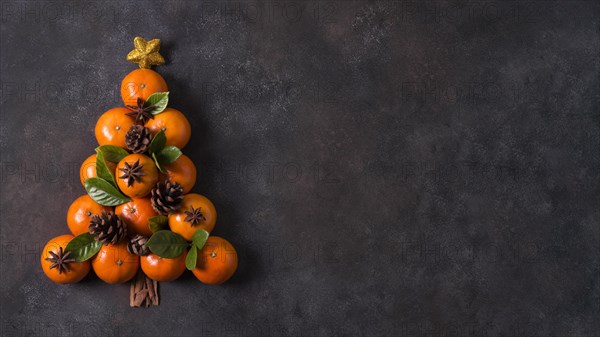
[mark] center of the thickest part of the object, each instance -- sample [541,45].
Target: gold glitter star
[146,53]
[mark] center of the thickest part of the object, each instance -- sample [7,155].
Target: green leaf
[199,238]
[158,101]
[104,193]
[191,258]
[158,142]
[158,164]
[112,153]
[167,244]
[168,155]
[83,247]
[102,170]
[157,223]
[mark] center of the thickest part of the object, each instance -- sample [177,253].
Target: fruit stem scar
[119,262]
[163,128]
[118,127]
[213,254]
[143,85]
[88,213]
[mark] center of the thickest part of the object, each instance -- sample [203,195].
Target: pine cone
[167,198]
[107,228]
[137,245]
[138,138]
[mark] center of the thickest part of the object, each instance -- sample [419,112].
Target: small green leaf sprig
[170,245]
[157,102]
[162,154]
[198,241]
[83,247]
[103,188]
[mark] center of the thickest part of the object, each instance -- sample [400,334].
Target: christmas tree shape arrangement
[139,220]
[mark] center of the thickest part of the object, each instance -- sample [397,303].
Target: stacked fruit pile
[138,210]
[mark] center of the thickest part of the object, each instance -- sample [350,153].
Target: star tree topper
[146,53]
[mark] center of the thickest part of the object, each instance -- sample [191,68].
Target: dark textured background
[383,168]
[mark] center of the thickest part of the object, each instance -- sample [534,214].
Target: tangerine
[176,127]
[163,269]
[114,264]
[136,214]
[216,262]
[62,272]
[195,212]
[112,127]
[136,175]
[80,213]
[182,171]
[141,83]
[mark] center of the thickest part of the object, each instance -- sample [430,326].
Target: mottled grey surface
[383,168]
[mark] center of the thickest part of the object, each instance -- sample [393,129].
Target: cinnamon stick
[143,291]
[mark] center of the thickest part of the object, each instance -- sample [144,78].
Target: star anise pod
[132,172]
[194,216]
[60,260]
[141,113]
